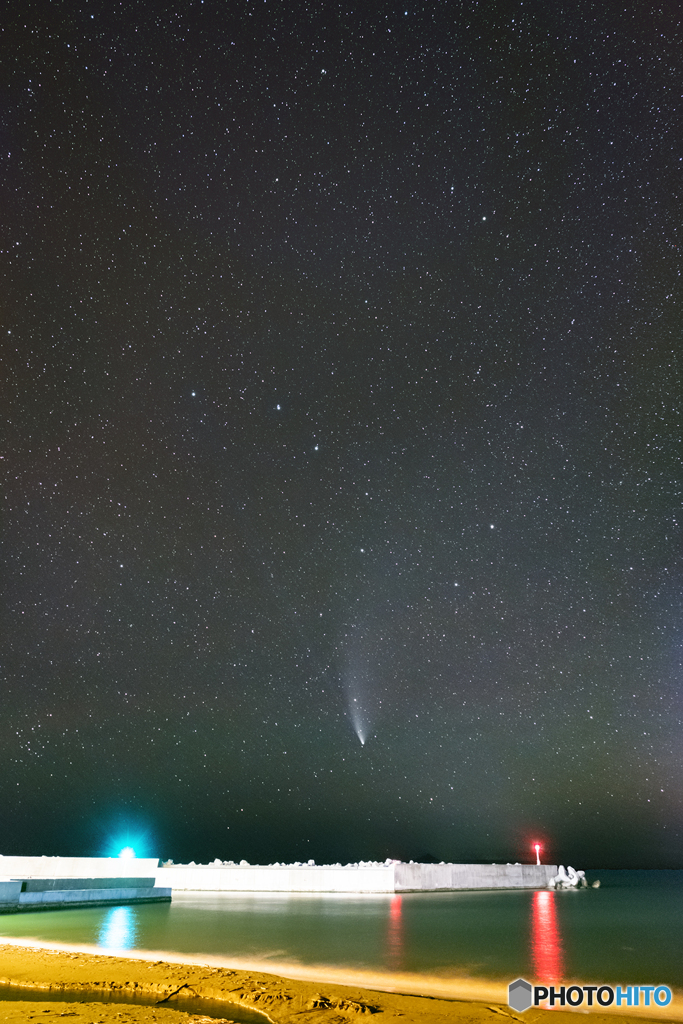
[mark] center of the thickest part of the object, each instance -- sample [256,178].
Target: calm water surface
[630,930]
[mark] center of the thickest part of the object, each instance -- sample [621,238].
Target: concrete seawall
[410,877]
[356,878]
[285,878]
[219,877]
[76,867]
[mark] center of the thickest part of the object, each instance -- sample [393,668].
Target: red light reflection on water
[546,944]
[395,933]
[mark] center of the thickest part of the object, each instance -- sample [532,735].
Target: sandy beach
[281,1000]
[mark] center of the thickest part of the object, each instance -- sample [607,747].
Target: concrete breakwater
[76,867]
[364,877]
[27,894]
[220,876]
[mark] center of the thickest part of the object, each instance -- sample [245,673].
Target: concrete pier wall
[287,878]
[219,877]
[76,867]
[352,878]
[411,877]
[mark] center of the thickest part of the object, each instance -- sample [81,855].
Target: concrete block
[9,895]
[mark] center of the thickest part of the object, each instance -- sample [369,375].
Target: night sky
[341,461]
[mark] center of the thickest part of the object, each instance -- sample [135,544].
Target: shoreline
[282,992]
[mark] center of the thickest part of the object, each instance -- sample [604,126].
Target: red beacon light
[537,848]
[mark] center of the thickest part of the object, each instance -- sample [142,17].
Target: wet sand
[282,1000]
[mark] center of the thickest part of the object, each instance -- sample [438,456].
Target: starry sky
[341,460]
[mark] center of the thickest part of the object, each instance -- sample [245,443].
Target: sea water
[629,931]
